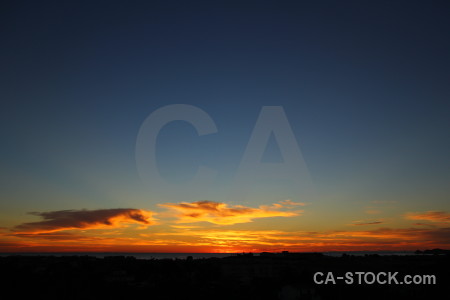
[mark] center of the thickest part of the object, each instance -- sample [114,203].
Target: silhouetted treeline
[267,276]
[436,251]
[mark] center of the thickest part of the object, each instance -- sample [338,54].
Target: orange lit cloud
[69,230]
[217,240]
[278,240]
[85,219]
[432,216]
[222,214]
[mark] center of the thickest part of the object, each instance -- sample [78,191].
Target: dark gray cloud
[358,223]
[85,219]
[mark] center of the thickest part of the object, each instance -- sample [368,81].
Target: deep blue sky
[365,86]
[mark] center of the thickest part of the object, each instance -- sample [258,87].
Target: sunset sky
[362,87]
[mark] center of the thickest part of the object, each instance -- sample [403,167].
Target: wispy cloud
[424,224]
[219,240]
[223,214]
[372,211]
[384,201]
[85,219]
[184,226]
[289,202]
[57,236]
[344,240]
[432,216]
[360,223]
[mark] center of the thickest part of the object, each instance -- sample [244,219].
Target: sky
[222,126]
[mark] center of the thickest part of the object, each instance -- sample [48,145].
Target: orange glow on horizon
[135,230]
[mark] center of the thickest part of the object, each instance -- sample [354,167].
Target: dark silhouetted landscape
[245,276]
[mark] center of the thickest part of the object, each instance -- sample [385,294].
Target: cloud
[219,239]
[359,223]
[55,235]
[184,226]
[278,240]
[439,235]
[371,211]
[68,230]
[424,224]
[384,201]
[85,219]
[292,203]
[222,214]
[432,216]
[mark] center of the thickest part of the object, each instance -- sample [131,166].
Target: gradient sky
[364,85]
